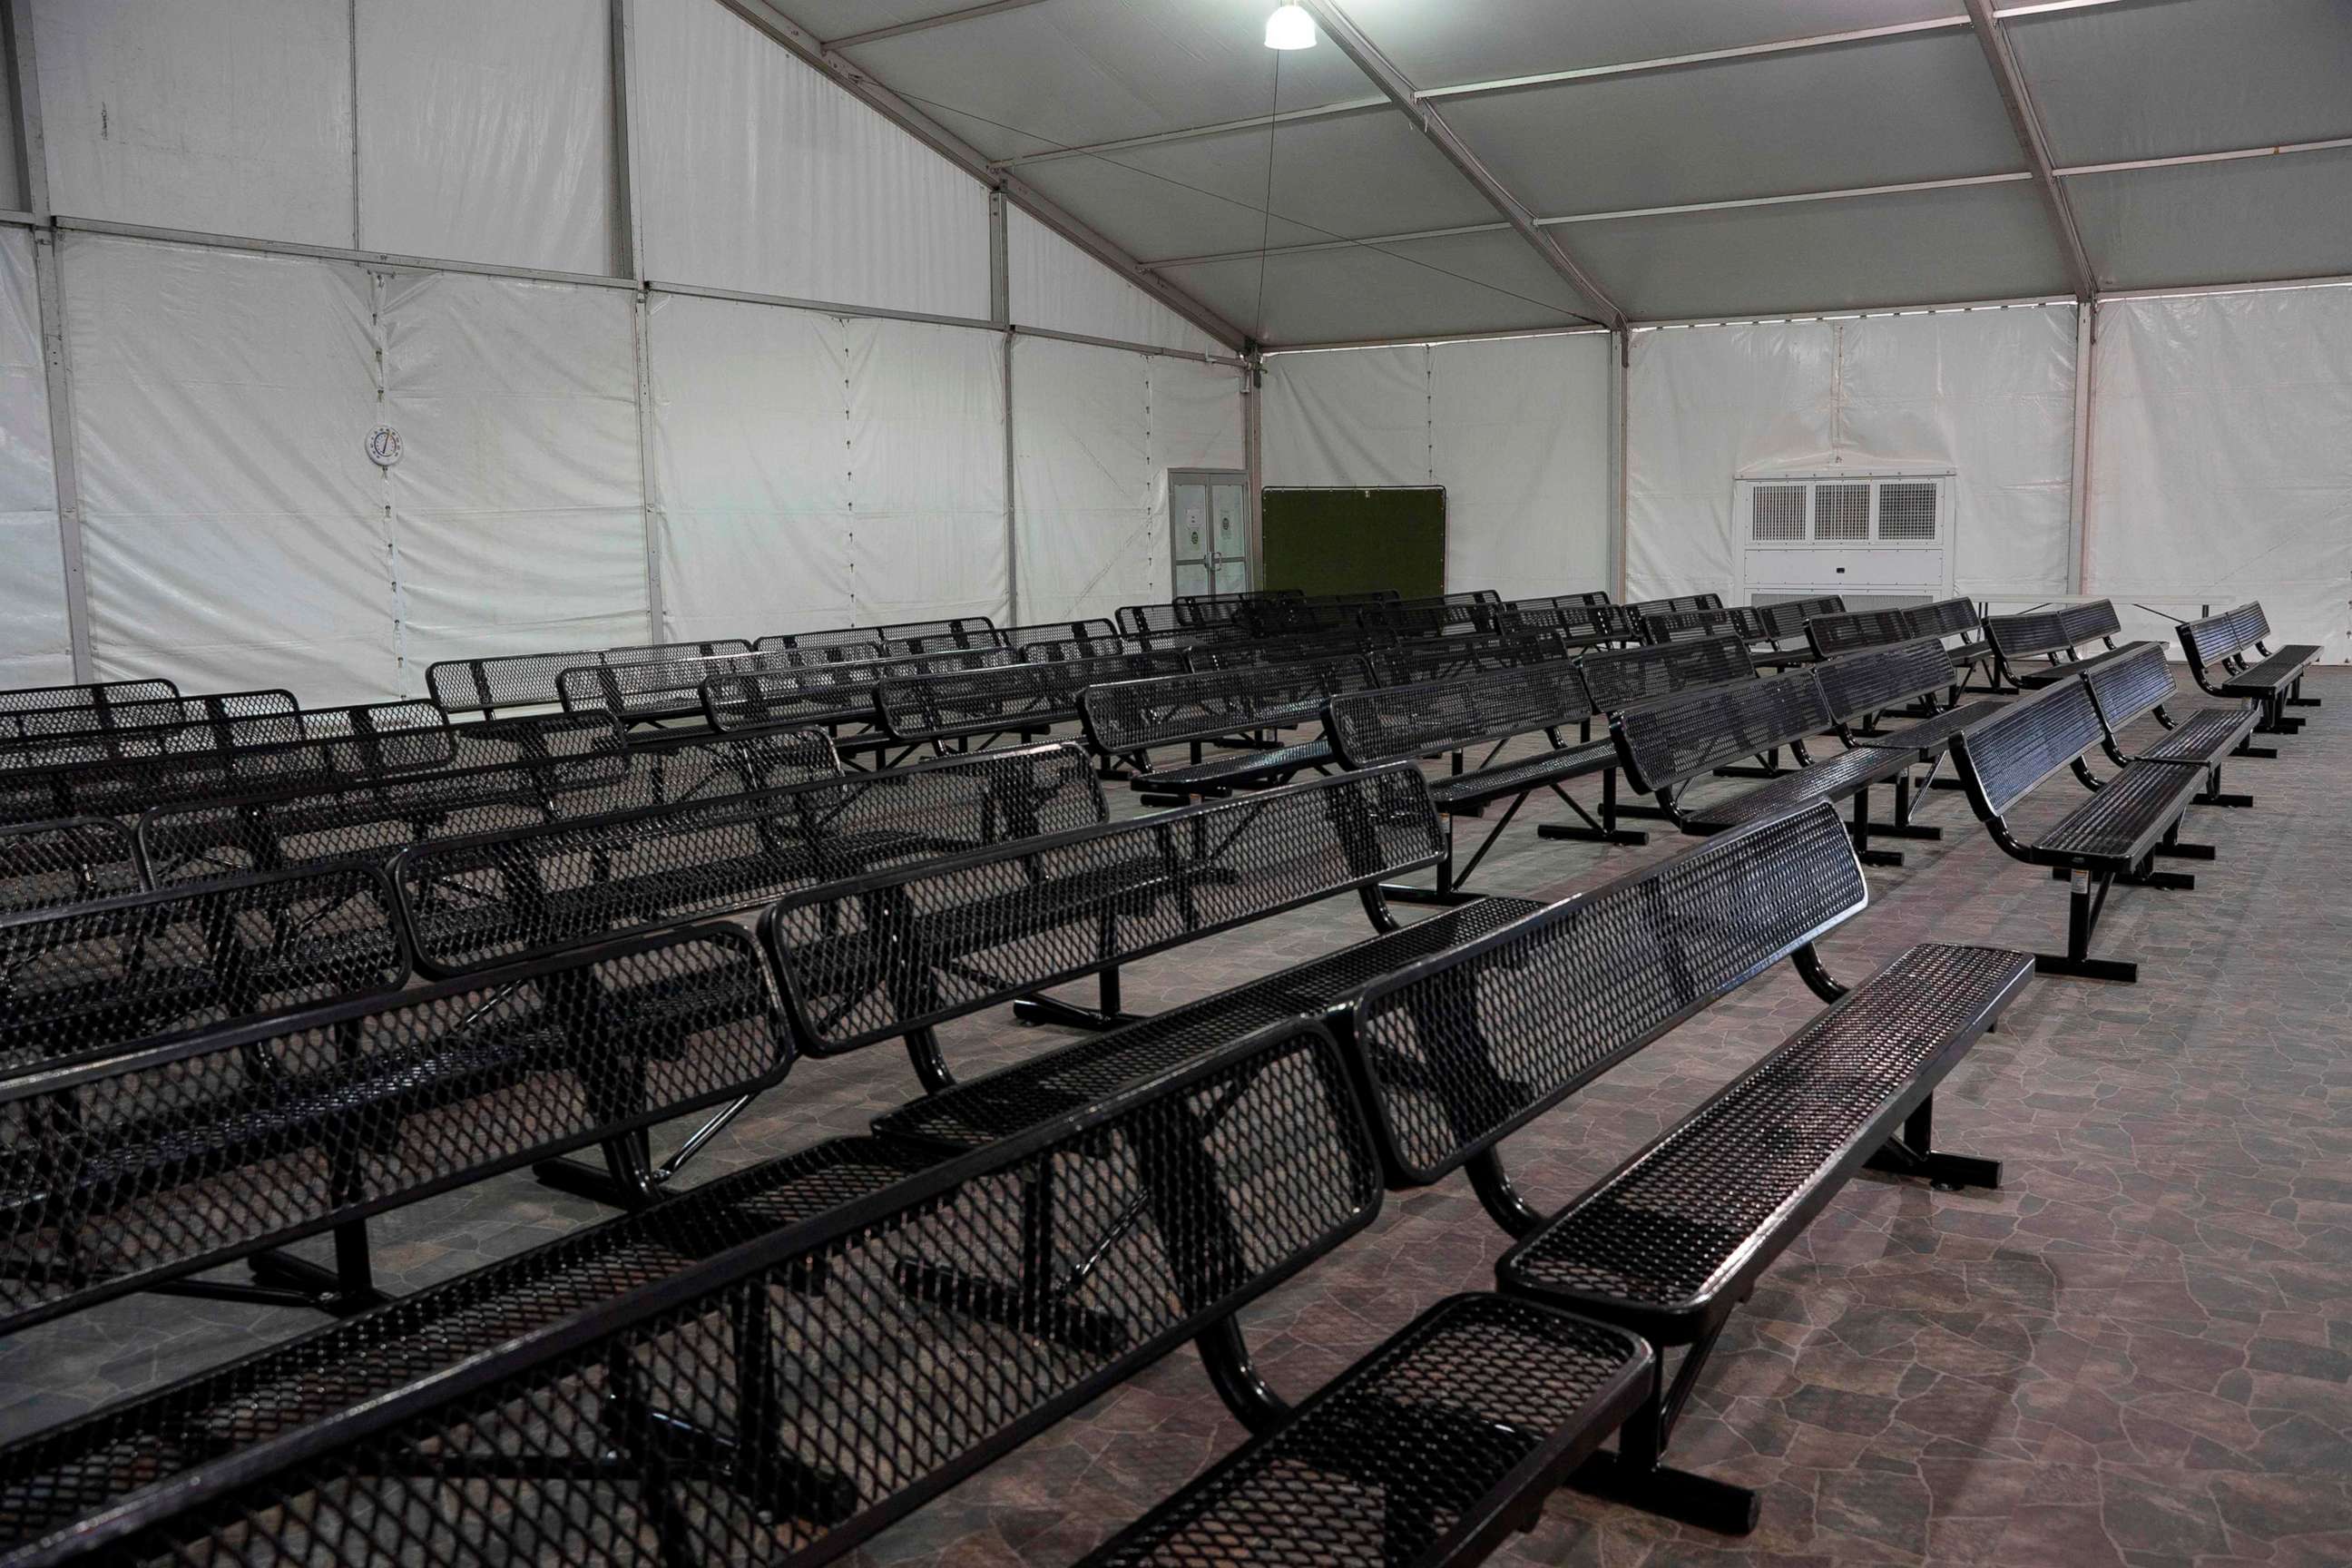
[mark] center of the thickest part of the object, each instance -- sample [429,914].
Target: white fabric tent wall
[1096,431]
[1990,392]
[1516,429]
[758,174]
[1055,285]
[2221,460]
[35,649]
[812,471]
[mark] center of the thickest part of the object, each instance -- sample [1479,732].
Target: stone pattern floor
[2137,1353]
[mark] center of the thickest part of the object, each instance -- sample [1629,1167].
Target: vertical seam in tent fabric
[352,38]
[848,474]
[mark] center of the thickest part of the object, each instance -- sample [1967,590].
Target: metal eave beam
[855,81]
[2032,140]
[925,24]
[1391,82]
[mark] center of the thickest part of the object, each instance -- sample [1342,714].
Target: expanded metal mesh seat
[1129,719]
[498,898]
[776,1364]
[133,1171]
[1838,776]
[369,822]
[101,977]
[2140,683]
[530,679]
[2225,657]
[929,709]
[46,865]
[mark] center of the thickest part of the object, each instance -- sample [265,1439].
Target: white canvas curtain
[1516,429]
[2221,460]
[35,649]
[1096,431]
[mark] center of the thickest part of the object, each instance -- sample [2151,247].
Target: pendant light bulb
[1290,28]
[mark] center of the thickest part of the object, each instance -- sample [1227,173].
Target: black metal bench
[1240,712]
[1771,628]
[1618,679]
[67,860]
[893,956]
[1578,625]
[1464,1048]
[133,1171]
[1415,661]
[104,785]
[1866,685]
[667,690]
[1023,700]
[2114,837]
[368,821]
[788,1360]
[1487,712]
[1244,652]
[837,698]
[23,704]
[1957,619]
[2140,684]
[2217,648]
[1047,639]
[1658,626]
[217,720]
[2057,637]
[1850,631]
[1668,745]
[99,977]
[528,679]
[953,631]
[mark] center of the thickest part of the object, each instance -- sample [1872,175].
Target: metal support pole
[641,322]
[1253,462]
[56,356]
[999,310]
[2078,493]
[628,222]
[1621,364]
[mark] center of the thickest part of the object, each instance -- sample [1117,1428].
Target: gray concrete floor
[2136,1352]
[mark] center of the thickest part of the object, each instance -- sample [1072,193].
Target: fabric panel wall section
[35,648]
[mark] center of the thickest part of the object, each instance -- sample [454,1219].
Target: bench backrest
[125,786]
[1419,659]
[881,956]
[2131,685]
[370,821]
[2094,622]
[1857,684]
[126,1171]
[1401,722]
[2002,759]
[1578,624]
[1038,641]
[1784,619]
[528,679]
[1944,618]
[870,1377]
[97,977]
[955,631]
[1127,716]
[2029,633]
[1244,652]
[1623,678]
[673,686]
[934,707]
[94,695]
[1465,1046]
[824,637]
[1412,619]
[1687,625]
[210,721]
[1850,630]
[498,899]
[2253,624]
[1663,743]
[2209,643]
[832,693]
[1296,617]
[68,860]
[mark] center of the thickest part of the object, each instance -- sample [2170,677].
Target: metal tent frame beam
[851,78]
[2026,122]
[1368,58]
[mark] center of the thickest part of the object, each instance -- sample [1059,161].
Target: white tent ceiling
[1690,157]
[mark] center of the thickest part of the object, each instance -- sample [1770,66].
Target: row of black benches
[797,1353]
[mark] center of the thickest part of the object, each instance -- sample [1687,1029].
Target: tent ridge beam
[875,95]
[1384,75]
[2035,143]
[925,24]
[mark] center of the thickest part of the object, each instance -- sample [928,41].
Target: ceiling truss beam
[1384,75]
[852,78]
[925,24]
[2026,122]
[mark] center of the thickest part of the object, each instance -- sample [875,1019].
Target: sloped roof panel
[1465,283]
[2238,222]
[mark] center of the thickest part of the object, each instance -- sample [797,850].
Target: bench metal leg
[1498,1196]
[1448,891]
[1225,1356]
[347,1288]
[2086,900]
[1601,831]
[1862,828]
[2184,851]
[1637,1475]
[1912,1152]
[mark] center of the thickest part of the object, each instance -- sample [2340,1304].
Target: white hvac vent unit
[1860,532]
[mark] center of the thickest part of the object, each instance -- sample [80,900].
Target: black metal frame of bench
[1405,724]
[2010,754]
[662,692]
[94,697]
[1770,628]
[1963,619]
[2215,647]
[1902,678]
[2056,636]
[67,860]
[1239,712]
[954,631]
[2137,685]
[135,1171]
[1668,745]
[1022,700]
[495,682]
[1459,1051]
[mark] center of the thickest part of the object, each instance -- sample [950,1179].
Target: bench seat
[1670,1242]
[1930,737]
[1432,1449]
[2274,674]
[2205,734]
[2128,817]
[1236,769]
[1833,778]
[1476,788]
[983,1110]
[2032,677]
